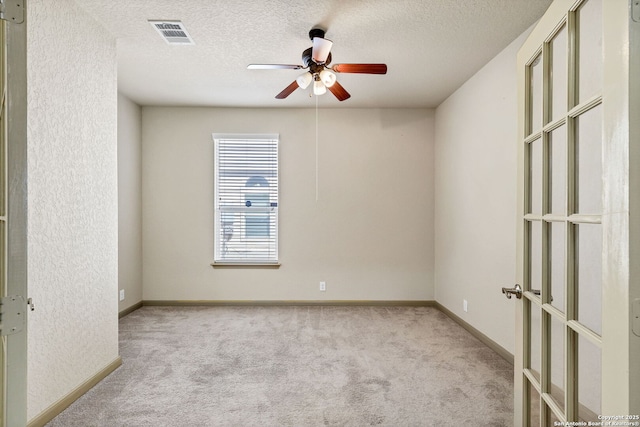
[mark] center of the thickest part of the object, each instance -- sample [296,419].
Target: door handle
[516,290]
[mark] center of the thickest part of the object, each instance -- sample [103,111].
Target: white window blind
[246,198]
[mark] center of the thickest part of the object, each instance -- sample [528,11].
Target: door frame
[621,217]
[621,206]
[14,128]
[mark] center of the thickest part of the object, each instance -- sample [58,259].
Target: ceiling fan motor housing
[309,63]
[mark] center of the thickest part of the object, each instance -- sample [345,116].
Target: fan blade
[274,67]
[339,91]
[321,49]
[361,68]
[288,90]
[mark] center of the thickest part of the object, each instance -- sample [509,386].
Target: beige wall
[129,201]
[475,199]
[73,215]
[369,235]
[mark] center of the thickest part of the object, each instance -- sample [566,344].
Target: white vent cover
[173,32]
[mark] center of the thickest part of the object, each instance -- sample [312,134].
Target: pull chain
[317,167]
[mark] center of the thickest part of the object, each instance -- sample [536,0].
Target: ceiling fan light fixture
[319,88]
[304,80]
[327,77]
[321,50]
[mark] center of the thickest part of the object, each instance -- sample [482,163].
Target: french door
[577,353]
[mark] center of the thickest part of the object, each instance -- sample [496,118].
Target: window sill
[224,264]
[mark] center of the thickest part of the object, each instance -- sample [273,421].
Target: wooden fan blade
[274,67]
[361,68]
[288,90]
[339,91]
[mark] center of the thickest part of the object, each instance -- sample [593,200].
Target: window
[246,199]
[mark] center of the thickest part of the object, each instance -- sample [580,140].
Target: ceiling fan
[317,59]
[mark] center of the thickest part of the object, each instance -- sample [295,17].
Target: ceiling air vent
[173,32]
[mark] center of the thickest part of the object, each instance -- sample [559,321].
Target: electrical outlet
[323,286]
[465,306]
[121,294]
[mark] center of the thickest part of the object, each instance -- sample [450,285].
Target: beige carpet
[297,366]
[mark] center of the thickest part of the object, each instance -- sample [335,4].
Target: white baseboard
[52,411]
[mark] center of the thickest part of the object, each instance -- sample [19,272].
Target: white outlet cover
[121,294]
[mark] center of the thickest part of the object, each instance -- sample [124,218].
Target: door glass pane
[534,406]
[589,165]
[590,56]
[558,162]
[589,380]
[589,281]
[536,256]
[558,235]
[536,176]
[535,340]
[535,103]
[557,361]
[558,47]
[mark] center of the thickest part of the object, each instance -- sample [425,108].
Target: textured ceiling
[430,46]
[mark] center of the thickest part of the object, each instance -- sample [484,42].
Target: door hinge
[13,314]
[12,11]
[635,314]
[635,10]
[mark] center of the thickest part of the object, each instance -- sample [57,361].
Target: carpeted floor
[297,366]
